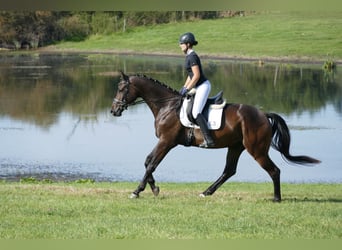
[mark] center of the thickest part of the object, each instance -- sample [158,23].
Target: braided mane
[158,82]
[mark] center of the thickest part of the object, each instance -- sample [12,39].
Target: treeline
[33,29]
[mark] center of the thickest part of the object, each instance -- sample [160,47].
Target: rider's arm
[190,83]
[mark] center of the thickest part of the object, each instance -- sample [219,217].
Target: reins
[126,105]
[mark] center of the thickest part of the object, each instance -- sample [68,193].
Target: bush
[74,28]
[104,23]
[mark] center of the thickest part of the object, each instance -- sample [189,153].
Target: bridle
[122,104]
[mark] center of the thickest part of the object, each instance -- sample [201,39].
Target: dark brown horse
[243,127]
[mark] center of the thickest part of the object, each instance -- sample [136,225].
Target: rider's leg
[208,140]
[202,93]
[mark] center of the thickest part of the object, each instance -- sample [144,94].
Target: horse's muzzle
[116,113]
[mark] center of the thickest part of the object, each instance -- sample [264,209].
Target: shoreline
[260,60]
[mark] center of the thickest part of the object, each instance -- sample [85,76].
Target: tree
[24,29]
[31,29]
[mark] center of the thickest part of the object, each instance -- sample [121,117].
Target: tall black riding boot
[208,140]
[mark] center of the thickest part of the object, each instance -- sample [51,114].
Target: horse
[244,127]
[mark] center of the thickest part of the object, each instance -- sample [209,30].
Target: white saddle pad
[214,116]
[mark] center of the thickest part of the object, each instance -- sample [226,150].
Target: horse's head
[152,92]
[123,97]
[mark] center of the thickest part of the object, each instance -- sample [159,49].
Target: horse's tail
[281,141]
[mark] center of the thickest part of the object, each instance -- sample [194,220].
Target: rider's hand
[183,91]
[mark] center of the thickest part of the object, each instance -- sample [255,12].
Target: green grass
[289,35]
[104,211]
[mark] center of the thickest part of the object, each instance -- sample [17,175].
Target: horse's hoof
[202,195]
[134,196]
[155,191]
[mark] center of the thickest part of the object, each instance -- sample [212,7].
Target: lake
[55,120]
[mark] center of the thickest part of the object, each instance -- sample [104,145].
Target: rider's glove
[183,91]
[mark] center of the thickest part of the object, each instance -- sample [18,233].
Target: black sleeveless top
[192,59]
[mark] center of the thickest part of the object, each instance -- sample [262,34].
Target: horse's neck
[155,95]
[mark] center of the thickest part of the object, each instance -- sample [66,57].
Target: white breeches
[202,93]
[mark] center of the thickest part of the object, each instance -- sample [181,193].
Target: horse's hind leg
[274,172]
[232,158]
[258,147]
[257,137]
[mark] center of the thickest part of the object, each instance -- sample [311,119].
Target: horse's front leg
[150,179]
[151,163]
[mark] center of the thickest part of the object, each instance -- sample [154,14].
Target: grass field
[104,211]
[289,35]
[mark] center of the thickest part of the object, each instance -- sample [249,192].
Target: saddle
[212,111]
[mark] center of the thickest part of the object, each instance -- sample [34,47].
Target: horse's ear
[123,76]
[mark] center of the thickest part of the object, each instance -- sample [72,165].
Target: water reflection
[36,89]
[55,120]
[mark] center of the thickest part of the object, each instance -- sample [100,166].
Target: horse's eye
[121,86]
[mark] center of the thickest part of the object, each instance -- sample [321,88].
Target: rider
[197,80]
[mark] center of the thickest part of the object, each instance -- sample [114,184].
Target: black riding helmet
[188,38]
